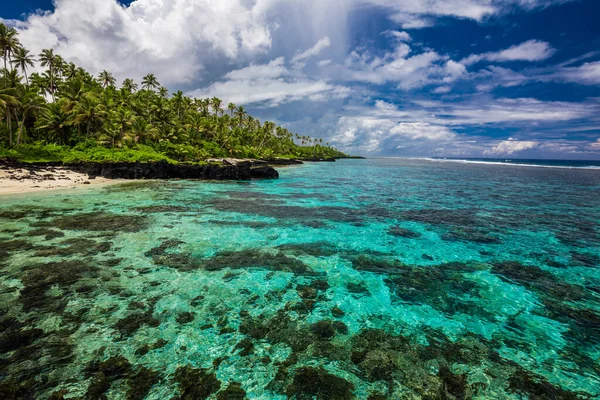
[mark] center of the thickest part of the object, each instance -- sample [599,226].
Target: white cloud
[531,50]
[170,38]
[415,14]
[375,135]
[321,45]
[511,146]
[272,84]
[587,74]
[400,66]
[442,90]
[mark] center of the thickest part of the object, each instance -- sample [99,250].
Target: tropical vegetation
[66,114]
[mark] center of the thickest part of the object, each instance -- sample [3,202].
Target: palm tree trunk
[9,126]
[20,136]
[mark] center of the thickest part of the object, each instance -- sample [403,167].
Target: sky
[409,78]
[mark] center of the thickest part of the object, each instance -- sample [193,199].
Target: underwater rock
[537,388]
[378,365]
[476,235]
[316,249]
[589,260]
[140,383]
[104,373]
[317,383]
[403,232]
[185,317]
[326,329]
[38,278]
[196,383]
[357,289]
[131,323]
[337,312]
[251,258]
[98,221]
[535,278]
[48,234]
[233,392]
[377,265]
[246,345]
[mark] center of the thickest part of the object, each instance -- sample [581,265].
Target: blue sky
[454,78]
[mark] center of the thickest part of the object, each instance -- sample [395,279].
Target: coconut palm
[106,79]
[22,60]
[56,121]
[88,111]
[9,42]
[150,82]
[129,85]
[29,103]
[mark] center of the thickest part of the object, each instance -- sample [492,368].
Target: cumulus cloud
[376,135]
[511,146]
[401,66]
[167,37]
[531,50]
[271,84]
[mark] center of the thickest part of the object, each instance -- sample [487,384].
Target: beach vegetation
[63,113]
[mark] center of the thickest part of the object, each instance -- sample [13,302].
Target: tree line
[68,107]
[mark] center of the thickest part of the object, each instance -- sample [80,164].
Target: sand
[26,180]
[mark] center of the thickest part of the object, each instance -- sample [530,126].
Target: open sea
[360,279]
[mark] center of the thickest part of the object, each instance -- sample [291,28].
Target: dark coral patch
[140,383]
[317,383]
[38,278]
[233,392]
[48,234]
[131,323]
[403,232]
[98,221]
[245,259]
[196,383]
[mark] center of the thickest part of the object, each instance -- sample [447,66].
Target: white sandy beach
[22,180]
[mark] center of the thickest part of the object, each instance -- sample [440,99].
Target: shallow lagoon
[361,279]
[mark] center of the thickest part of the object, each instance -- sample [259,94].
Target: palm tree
[30,103]
[22,60]
[106,79]
[8,103]
[47,58]
[142,130]
[88,111]
[150,82]
[55,120]
[129,85]
[8,42]
[241,114]
[231,107]
[216,103]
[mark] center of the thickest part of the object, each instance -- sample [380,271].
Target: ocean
[370,279]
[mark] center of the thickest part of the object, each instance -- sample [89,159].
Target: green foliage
[66,114]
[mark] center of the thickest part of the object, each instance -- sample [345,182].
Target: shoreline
[14,181]
[20,178]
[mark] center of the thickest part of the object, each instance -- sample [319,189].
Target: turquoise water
[381,278]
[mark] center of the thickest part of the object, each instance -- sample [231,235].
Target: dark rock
[402,232]
[317,383]
[196,383]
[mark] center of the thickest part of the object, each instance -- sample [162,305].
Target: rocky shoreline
[243,170]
